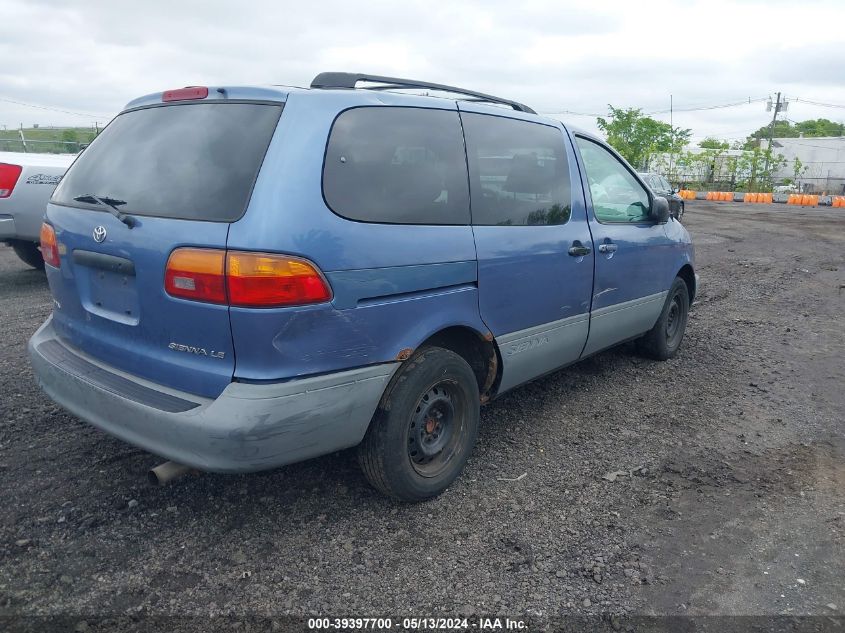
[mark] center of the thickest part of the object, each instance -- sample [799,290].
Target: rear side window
[397,165]
[191,162]
[519,172]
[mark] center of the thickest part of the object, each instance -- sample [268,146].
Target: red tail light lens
[251,280]
[196,273]
[9,175]
[263,280]
[182,94]
[49,246]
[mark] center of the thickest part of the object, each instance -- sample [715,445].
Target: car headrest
[528,175]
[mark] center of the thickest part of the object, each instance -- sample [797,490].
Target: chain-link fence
[46,140]
[749,171]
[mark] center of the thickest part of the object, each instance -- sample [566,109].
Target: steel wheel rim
[436,429]
[674,320]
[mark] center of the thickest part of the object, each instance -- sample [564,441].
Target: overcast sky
[92,56]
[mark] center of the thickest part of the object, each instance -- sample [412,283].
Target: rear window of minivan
[195,161]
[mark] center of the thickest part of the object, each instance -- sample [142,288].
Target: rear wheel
[663,341]
[425,427]
[29,254]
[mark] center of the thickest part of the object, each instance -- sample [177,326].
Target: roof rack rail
[350,80]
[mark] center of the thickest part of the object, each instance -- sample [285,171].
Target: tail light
[49,246]
[263,280]
[253,280]
[183,94]
[9,175]
[196,273]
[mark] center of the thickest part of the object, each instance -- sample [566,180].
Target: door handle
[579,250]
[608,248]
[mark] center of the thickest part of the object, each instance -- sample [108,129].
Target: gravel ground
[731,501]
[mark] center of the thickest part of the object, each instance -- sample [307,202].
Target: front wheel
[663,341]
[425,427]
[29,254]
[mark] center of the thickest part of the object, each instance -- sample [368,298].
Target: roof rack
[350,80]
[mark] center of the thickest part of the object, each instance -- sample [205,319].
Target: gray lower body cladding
[249,427]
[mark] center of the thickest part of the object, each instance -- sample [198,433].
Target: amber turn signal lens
[196,273]
[49,246]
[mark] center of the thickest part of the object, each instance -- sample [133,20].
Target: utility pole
[771,133]
[672,137]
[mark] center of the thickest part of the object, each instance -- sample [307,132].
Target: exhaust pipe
[164,473]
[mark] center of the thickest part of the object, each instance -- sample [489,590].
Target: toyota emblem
[100,234]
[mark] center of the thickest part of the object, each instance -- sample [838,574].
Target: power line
[40,107]
[571,113]
[819,103]
[718,106]
[710,107]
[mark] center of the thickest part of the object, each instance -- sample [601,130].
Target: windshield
[188,161]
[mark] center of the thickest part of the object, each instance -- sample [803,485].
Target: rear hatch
[182,172]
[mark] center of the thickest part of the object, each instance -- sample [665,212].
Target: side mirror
[676,190]
[659,212]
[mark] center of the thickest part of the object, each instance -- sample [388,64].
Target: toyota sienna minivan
[246,277]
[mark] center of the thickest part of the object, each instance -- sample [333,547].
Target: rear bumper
[248,427]
[7,227]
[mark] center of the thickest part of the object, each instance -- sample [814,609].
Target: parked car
[661,187]
[248,277]
[26,183]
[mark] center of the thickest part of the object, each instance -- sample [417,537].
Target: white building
[822,161]
[821,166]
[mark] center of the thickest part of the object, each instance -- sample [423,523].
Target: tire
[664,340]
[425,427]
[29,254]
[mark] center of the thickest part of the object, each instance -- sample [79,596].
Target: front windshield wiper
[113,205]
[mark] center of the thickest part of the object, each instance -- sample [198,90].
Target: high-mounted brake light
[9,175]
[49,246]
[183,94]
[265,280]
[251,280]
[196,273]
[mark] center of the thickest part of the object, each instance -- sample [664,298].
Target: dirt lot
[732,501]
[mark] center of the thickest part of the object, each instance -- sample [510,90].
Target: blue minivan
[246,277]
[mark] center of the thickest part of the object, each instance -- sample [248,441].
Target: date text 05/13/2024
[417,624]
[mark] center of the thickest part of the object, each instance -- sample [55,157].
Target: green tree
[70,141]
[798,168]
[786,129]
[713,143]
[637,137]
[755,168]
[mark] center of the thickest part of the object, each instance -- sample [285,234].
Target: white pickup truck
[26,183]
